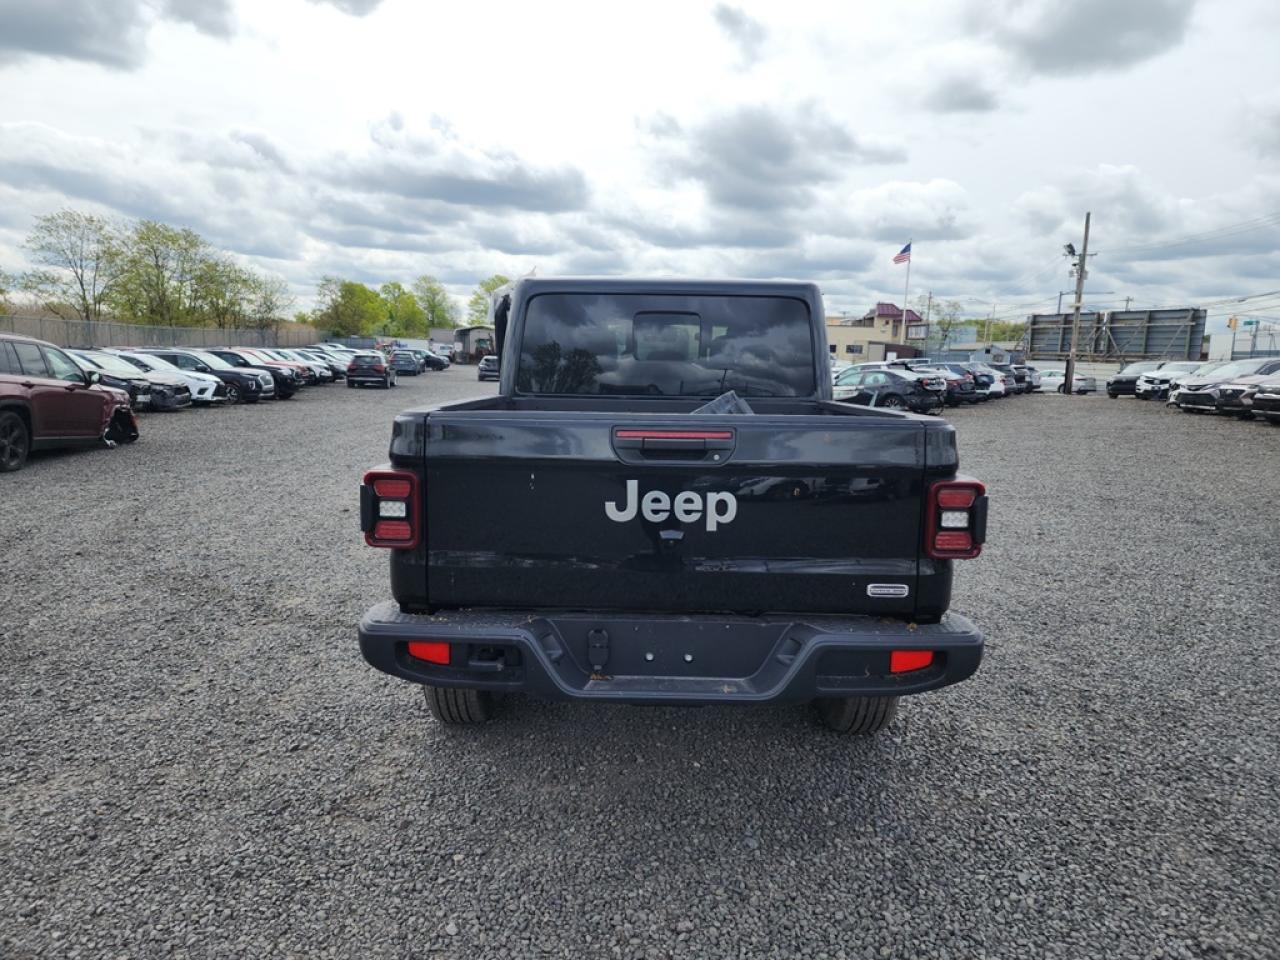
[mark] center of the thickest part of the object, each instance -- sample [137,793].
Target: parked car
[406,361]
[892,389]
[132,381]
[960,384]
[167,392]
[1001,384]
[1034,380]
[1055,380]
[370,367]
[1236,397]
[241,385]
[47,400]
[206,389]
[323,372]
[980,381]
[287,380]
[1266,402]
[1016,380]
[306,372]
[487,368]
[1154,384]
[1125,383]
[431,360]
[1199,393]
[337,367]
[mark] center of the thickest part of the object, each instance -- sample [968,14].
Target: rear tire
[15,442]
[857,715]
[234,394]
[892,402]
[459,708]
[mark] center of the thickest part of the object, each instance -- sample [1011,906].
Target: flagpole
[906,292]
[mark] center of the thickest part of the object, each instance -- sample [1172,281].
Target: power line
[1229,231]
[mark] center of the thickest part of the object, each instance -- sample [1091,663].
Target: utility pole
[1126,303]
[1069,383]
[928,309]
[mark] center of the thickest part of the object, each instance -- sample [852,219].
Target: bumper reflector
[432,651]
[903,661]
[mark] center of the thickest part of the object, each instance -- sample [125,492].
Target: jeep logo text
[688,507]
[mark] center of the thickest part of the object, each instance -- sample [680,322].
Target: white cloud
[314,136]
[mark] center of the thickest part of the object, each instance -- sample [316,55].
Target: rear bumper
[669,659]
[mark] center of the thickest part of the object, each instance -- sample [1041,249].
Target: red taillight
[955,520]
[397,530]
[903,661]
[392,488]
[431,651]
[389,509]
[956,498]
[950,540]
[379,368]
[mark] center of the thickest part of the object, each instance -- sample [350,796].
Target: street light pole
[1069,383]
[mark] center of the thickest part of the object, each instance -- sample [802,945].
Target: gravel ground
[198,763]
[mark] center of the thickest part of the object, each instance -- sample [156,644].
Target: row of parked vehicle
[1241,388]
[926,386]
[54,396]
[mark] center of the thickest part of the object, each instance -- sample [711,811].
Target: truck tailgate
[635,512]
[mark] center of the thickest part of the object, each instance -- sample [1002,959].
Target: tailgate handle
[654,445]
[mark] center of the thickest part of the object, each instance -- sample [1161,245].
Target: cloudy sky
[382,140]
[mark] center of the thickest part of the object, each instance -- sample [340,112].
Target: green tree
[345,308]
[478,305]
[269,302]
[83,259]
[994,330]
[435,302]
[161,266]
[405,318]
[222,293]
[944,316]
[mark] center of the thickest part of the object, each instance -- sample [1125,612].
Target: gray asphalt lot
[198,763]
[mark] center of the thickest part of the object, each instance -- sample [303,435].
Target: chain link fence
[88,333]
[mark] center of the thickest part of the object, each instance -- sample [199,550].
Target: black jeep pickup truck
[590,533]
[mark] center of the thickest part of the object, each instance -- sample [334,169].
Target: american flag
[904,256]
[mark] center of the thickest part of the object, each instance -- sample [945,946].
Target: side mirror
[202,368]
[91,377]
